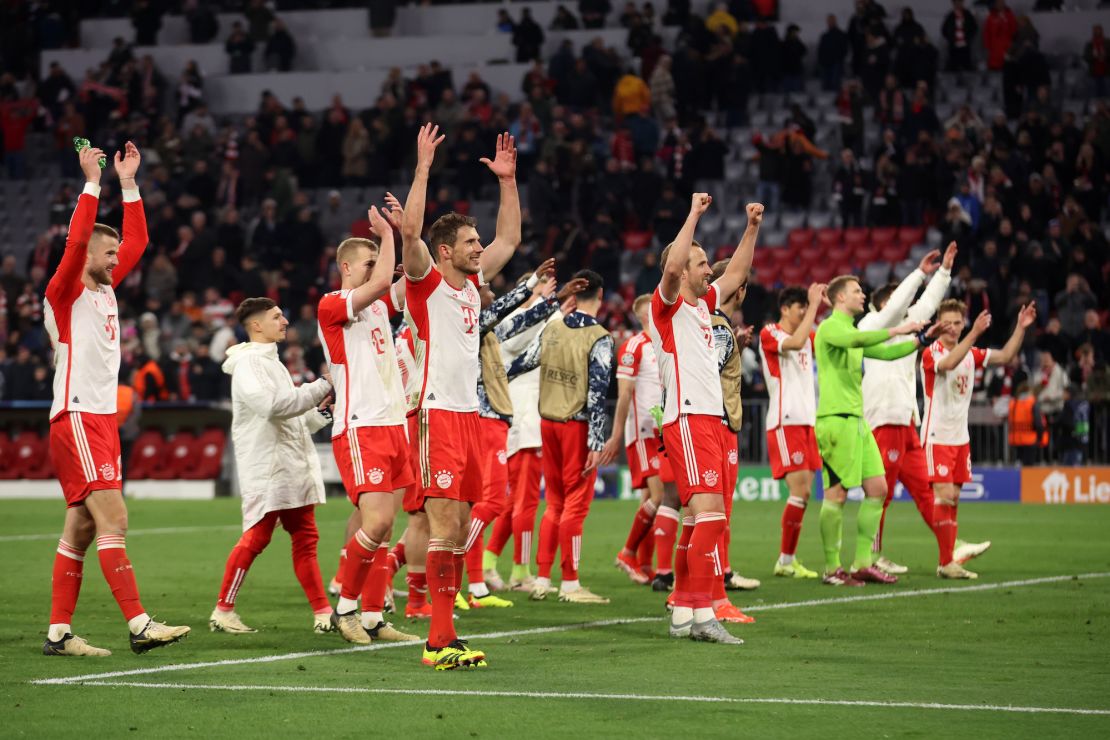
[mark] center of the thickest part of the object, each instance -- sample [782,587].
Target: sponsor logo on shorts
[798,458]
[733,458]
[710,477]
[107,472]
[942,469]
[376,476]
[502,457]
[892,455]
[444,479]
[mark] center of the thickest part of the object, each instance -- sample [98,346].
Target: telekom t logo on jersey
[470,318]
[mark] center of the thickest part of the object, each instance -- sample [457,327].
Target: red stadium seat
[794,274]
[911,235]
[7,457]
[883,234]
[823,272]
[767,275]
[799,238]
[855,236]
[811,255]
[894,253]
[635,241]
[207,456]
[29,456]
[828,237]
[463,207]
[179,455]
[147,454]
[863,254]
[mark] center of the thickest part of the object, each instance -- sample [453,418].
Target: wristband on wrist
[922,338]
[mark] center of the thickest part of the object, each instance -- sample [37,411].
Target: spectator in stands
[356,151]
[959,29]
[793,59]
[527,37]
[662,90]
[832,50]
[1072,304]
[1094,55]
[890,108]
[206,382]
[770,153]
[998,32]
[16,116]
[146,18]
[631,95]
[383,14]
[240,50]
[906,31]
[564,20]
[850,186]
[677,13]
[766,58]
[593,12]
[849,108]
[280,47]
[190,89]
[797,181]
[56,90]
[259,17]
[203,23]
[1051,382]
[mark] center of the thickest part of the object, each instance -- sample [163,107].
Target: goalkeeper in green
[850,457]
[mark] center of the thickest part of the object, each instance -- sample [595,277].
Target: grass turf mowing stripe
[621,697]
[558,628]
[130,533]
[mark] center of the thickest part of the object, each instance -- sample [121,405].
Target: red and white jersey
[789,377]
[444,323]
[636,361]
[411,377]
[83,324]
[363,362]
[682,335]
[948,395]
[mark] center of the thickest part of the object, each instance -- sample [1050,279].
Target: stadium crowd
[607,148]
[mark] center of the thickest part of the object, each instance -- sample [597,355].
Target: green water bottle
[79,144]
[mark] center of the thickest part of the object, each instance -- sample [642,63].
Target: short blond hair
[952,305]
[348,247]
[639,302]
[839,284]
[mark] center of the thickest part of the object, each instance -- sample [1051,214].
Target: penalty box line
[619,697]
[173,667]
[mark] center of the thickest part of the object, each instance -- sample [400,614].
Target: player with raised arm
[638,390]
[272,422]
[575,358]
[786,353]
[681,329]
[442,308]
[849,455]
[82,319]
[948,368]
[368,434]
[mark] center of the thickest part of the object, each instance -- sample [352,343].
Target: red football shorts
[85,448]
[948,463]
[792,448]
[643,461]
[372,459]
[698,453]
[447,446]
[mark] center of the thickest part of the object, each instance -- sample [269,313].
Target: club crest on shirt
[702,313]
[376,476]
[733,458]
[798,458]
[628,358]
[444,479]
[107,472]
[710,477]
[892,455]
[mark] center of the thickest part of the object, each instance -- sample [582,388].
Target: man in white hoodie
[279,471]
[890,396]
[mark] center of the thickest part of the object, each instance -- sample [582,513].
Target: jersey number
[110,328]
[379,341]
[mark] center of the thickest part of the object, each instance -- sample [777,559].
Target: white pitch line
[621,697]
[549,630]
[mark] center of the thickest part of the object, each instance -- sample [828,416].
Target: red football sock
[646,551]
[666,531]
[944,518]
[112,553]
[441,584]
[501,532]
[549,543]
[65,585]
[339,568]
[474,561]
[418,588]
[360,557]
[701,556]
[641,525]
[398,556]
[460,567]
[373,591]
[792,515]
[235,571]
[681,570]
[722,548]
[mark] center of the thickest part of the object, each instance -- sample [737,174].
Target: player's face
[273,325]
[854,299]
[793,314]
[952,326]
[698,272]
[642,316]
[467,251]
[103,257]
[361,265]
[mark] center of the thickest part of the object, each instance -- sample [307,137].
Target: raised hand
[936,329]
[1027,315]
[546,270]
[426,142]
[909,327]
[982,323]
[929,263]
[571,289]
[568,305]
[700,203]
[89,157]
[503,163]
[396,212]
[817,293]
[128,164]
[743,336]
[755,214]
[950,255]
[378,223]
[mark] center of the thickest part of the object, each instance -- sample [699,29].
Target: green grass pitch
[1026,645]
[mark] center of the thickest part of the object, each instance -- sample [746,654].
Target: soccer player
[849,455]
[730,345]
[786,353]
[442,308]
[575,358]
[82,319]
[948,369]
[495,413]
[368,434]
[272,424]
[638,390]
[681,332]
